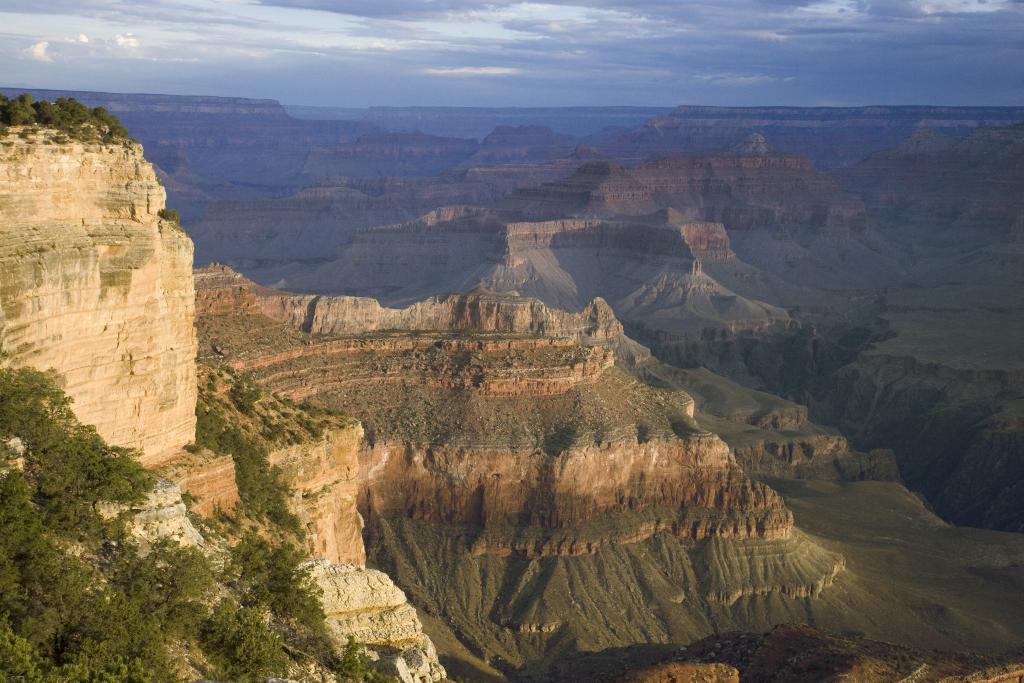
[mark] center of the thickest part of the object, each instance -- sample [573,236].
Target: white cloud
[39,52]
[82,38]
[127,40]
[471,71]
[965,6]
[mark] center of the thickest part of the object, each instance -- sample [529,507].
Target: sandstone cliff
[366,605]
[323,477]
[95,285]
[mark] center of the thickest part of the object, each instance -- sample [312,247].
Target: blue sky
[506,52]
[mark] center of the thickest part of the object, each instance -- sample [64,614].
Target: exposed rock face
[752,188]
[366,605]
[945,186]
[682,243]
[208,478]
[323,476]
[462,477]
[644,267]
[804,654]
[679,672]
[597,188]
[507,144]
[478,122]
[957,432]
[830,136]
[163,515]
[96,286]
[479,311]
[543,503]
[389,153]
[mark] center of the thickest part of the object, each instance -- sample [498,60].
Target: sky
[357,53]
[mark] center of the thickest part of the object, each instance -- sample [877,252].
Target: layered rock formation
[957,432]
[208,478]
[164,515]
[830,136]
[323,478]
[801,653]
[366,605]
[948,188]
[653,268]
[498,436]
[507,144]
[681,243]
[95,285]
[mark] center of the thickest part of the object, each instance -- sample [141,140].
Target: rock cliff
[945,188]
[462,477]
[94,284]
[365,604]
[323,477]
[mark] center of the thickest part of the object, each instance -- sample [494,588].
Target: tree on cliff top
[67,115]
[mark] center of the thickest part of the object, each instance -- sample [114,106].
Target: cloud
[127,41]
[38,51]
[550,51]
[82,38]
[472,71]
[739,79]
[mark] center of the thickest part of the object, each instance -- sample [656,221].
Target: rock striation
[164,515]
[946,188]
[462,477]
[94,284]
[323,477]
[365,604]
[830,136]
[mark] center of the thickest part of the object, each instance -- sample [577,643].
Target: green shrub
[244,393]
[239,641]
[264,495]
[353,664]
[71,468]
[170,215]
[269,577]
[171,583]
[67,115]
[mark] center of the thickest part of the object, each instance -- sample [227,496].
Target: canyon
[538,396]
[515,454]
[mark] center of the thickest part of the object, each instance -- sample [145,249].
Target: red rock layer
[209,480]
[323,478]
[533,504]
[306,371]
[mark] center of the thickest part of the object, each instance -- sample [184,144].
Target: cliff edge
[94,284]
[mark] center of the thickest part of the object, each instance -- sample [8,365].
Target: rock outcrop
[208,478]
[366,605]
[94,284]
[315,454]
[323,477]
[163,515]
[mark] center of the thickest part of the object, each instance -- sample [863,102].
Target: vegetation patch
[71,118]
[236,417]
[80,602]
